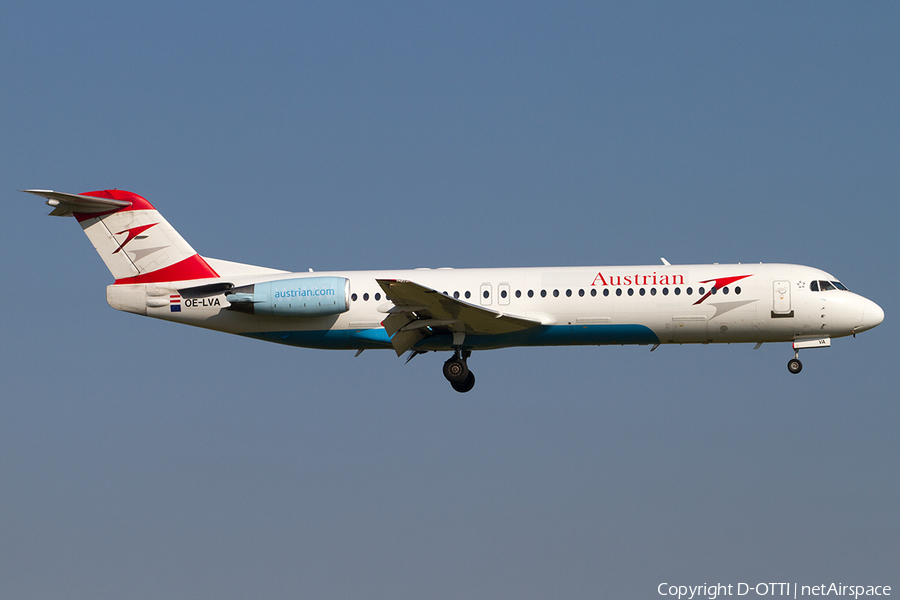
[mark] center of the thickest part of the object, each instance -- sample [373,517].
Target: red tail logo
[132,233]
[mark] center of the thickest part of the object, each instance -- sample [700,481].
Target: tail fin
[137,244]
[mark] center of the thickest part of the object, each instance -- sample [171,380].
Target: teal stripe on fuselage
[555,335]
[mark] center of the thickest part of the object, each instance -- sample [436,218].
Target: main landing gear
[457,371]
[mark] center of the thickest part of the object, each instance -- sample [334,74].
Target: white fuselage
[158,274]
[657,304]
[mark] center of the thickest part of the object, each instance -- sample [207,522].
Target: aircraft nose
[872,316]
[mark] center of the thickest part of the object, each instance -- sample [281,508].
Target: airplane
[158,274]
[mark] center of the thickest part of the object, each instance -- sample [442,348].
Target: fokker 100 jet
[158,274]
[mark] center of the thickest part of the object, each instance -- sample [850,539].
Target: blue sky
[139,459]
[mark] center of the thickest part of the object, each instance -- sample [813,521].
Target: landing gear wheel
[464,386]
[795,366]
[456,370]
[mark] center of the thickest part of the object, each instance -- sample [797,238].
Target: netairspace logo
[771,589]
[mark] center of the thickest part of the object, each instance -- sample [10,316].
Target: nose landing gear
[794,365]
[457,371]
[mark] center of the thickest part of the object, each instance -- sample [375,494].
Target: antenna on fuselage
[665,262]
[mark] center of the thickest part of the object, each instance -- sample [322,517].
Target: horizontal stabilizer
[65,205]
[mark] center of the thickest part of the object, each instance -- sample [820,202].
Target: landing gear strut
[794,365]
[457,371]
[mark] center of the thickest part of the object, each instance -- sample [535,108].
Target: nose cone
[872,316]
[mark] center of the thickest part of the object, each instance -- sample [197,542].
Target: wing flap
[418,311]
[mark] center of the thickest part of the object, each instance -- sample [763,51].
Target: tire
[795,366]
[456,370]
[464,386]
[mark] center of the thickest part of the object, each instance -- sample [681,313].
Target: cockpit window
[826,286]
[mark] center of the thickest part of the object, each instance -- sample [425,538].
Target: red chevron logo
[132,233]
[718,284]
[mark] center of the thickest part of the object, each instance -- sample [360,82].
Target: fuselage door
[781,291]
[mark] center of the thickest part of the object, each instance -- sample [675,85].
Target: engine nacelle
[301,297]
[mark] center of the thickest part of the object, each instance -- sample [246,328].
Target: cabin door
[781,299]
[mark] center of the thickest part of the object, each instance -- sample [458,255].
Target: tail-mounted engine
[300,297]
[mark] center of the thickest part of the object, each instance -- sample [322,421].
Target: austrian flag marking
[175,303]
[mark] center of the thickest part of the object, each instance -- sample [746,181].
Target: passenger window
[543,293]
[531,293]
[353,296]
[518,293]
[366,296]
[502,294]
[725,290]
[581,293]
[468,294]
[456,295]
[618,291]
[677,291]
[737,290]
[630,292]
[605,291]
[643,291]
[568,293]
[689,291]
[377,296]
